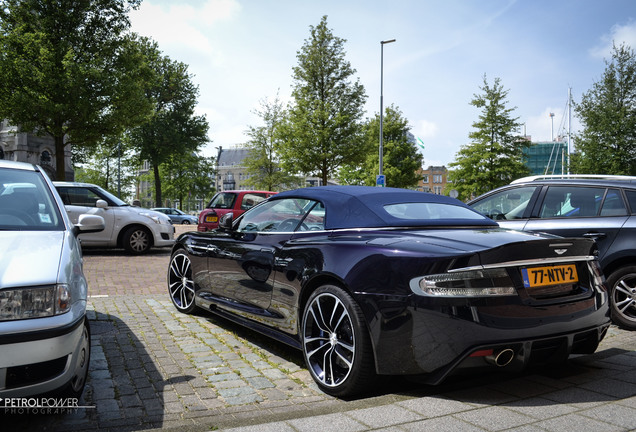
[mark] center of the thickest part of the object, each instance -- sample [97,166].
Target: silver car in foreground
[44,332]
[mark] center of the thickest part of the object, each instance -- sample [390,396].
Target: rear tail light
[471,283]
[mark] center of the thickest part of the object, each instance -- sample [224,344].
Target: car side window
[79,196]
[568,201]
[250,200]
[283,215]
[613,204]
[508,204]
[631,198]
[315,220]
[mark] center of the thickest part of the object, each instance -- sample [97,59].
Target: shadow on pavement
[125,390]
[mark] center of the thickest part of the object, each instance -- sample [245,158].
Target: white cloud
[619,34]
[425,129]
[179,25]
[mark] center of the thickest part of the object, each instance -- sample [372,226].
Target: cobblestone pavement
[154,368]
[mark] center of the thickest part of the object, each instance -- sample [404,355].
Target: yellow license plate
[211,218]
[553,275]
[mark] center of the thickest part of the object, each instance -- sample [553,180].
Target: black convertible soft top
[366,207]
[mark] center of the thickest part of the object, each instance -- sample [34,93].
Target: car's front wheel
[137,240]
[336,343]
[622,286]
[185,222]
[180,283]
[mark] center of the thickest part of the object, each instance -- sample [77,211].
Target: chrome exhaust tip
[501,358]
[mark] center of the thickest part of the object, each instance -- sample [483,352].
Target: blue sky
[241,52]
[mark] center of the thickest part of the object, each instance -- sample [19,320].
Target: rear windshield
[431,211]
[223,200]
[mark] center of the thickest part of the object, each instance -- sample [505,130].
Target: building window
[425,178]
[437,178]
[45,158]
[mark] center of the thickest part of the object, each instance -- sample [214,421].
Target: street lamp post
[552,127]
[381,98]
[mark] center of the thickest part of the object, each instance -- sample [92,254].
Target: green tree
[188,177]
[69,70]
[263,163]
[113,165]
[323,129]
[401,157]
[607,144]
[495,155]
[172,129]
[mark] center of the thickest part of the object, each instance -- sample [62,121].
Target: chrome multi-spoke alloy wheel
[180,283]
[328,340]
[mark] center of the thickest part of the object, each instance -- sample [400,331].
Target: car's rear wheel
[137,240]
[622,285]
[336,343]
[180,283]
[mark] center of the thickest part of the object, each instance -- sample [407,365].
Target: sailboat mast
[569,125]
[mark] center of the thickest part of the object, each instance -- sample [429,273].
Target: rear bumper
[412,337]
[516,356]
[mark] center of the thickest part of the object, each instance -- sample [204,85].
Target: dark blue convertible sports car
[388,281]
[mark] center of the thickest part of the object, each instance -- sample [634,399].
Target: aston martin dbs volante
[388,281]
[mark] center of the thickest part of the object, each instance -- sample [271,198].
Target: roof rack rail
[574,177]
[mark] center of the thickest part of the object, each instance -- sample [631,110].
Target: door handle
[595,235]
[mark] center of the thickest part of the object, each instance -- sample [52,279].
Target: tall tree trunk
[158,200]
[60,166]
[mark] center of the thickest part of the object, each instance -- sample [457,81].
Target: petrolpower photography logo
[40,405]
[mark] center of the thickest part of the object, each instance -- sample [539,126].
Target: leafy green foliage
[69,71]
[112,165]
[188,177]
[607,144]
[172,130]
[263,164]
[495,155]
[323,130]
[401,157]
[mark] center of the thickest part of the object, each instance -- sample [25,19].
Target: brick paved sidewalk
[154,368]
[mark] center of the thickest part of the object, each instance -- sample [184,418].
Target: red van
[234,201]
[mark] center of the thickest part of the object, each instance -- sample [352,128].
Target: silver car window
[613,204]
[568,202]
[508,204]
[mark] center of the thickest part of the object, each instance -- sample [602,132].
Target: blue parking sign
[380,180]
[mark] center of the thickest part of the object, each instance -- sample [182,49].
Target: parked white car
[136,229]
[44,331]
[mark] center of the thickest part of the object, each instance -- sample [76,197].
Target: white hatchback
[136,229]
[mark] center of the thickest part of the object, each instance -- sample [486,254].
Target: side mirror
[226,220]
[101,203]
[88,223]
